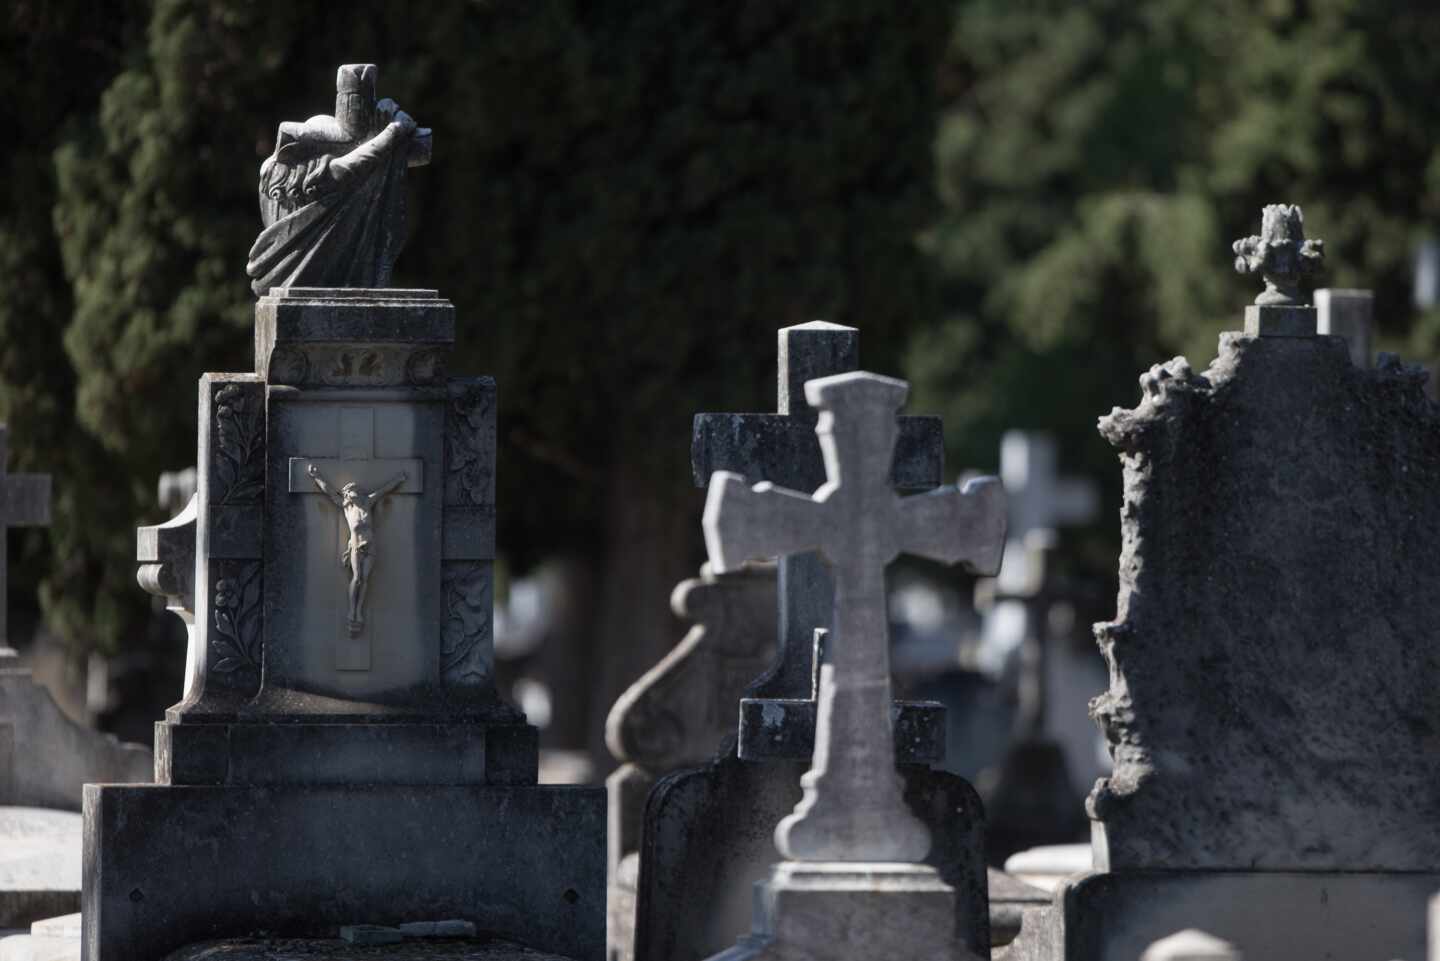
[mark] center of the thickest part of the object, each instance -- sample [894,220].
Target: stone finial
[1281,254]
[1191,945]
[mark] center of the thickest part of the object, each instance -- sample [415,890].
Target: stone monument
[681,713]
[852,884]
[705,836]
[1272,665]
[45,756]
[340,755]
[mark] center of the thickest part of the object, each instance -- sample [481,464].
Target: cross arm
[956,525]
[745,523]
[784,450]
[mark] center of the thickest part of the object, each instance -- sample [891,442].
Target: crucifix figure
[358,555]
[24,502]
[332,195]
[853,807]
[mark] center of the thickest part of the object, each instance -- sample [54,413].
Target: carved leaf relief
[236,639]
[239,455]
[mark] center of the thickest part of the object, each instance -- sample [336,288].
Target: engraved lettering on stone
[239,461]
[236,640]
[359,555]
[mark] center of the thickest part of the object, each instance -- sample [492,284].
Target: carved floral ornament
[1280,254]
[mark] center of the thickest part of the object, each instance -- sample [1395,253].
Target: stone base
[709,835]
[810,910]
[257,753]
[1272,320]
[39,864]
[167,866]
[1278,916]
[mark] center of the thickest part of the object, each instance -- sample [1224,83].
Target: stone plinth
[523,863]
[806,911]
[39,864]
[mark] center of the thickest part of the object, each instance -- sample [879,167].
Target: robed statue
[332,195]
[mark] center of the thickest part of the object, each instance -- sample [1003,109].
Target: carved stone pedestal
[341,747]
[851,910]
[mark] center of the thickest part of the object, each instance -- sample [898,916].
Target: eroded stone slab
[1273,659]
[39,864]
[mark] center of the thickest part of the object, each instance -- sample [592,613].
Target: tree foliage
[626,200]
[1095,160]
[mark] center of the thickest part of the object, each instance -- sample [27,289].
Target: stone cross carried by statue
[332,195]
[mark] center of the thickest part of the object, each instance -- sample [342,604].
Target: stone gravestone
[1273,666]
[852,884]
[45,757]
[341,756]
[681,713]
[1032,797]
[705,837]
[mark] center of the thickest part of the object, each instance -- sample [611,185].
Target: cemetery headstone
[340,756]
[705,835]
[45,756]
[853,884]
[1271,663]
[681,713]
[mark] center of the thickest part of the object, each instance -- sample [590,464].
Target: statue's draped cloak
[347,236]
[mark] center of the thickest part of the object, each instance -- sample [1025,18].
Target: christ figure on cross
[357,508]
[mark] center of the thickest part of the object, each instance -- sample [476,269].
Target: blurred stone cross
[24,502]
[853,809]
[782,448]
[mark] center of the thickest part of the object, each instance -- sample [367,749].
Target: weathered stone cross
[356,464]
[853,808]
[782,447]
[24,502]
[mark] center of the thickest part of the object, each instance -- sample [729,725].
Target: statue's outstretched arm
[319,480]
[364,157]
[389,487]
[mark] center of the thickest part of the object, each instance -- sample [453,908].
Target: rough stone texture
[185,864]
[52,756]
[852,809]
[1010,900]
[39,864]
[807,911]
[1349,314]
[1275,916]
[710,835]
[1272,664]
[288,949]
[370,934]
[1191,945]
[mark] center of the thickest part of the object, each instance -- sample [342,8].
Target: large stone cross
[358,465]
[853,809]
[782,447]
[24,502]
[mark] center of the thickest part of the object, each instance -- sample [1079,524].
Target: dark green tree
[1095,161]
[626,201]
